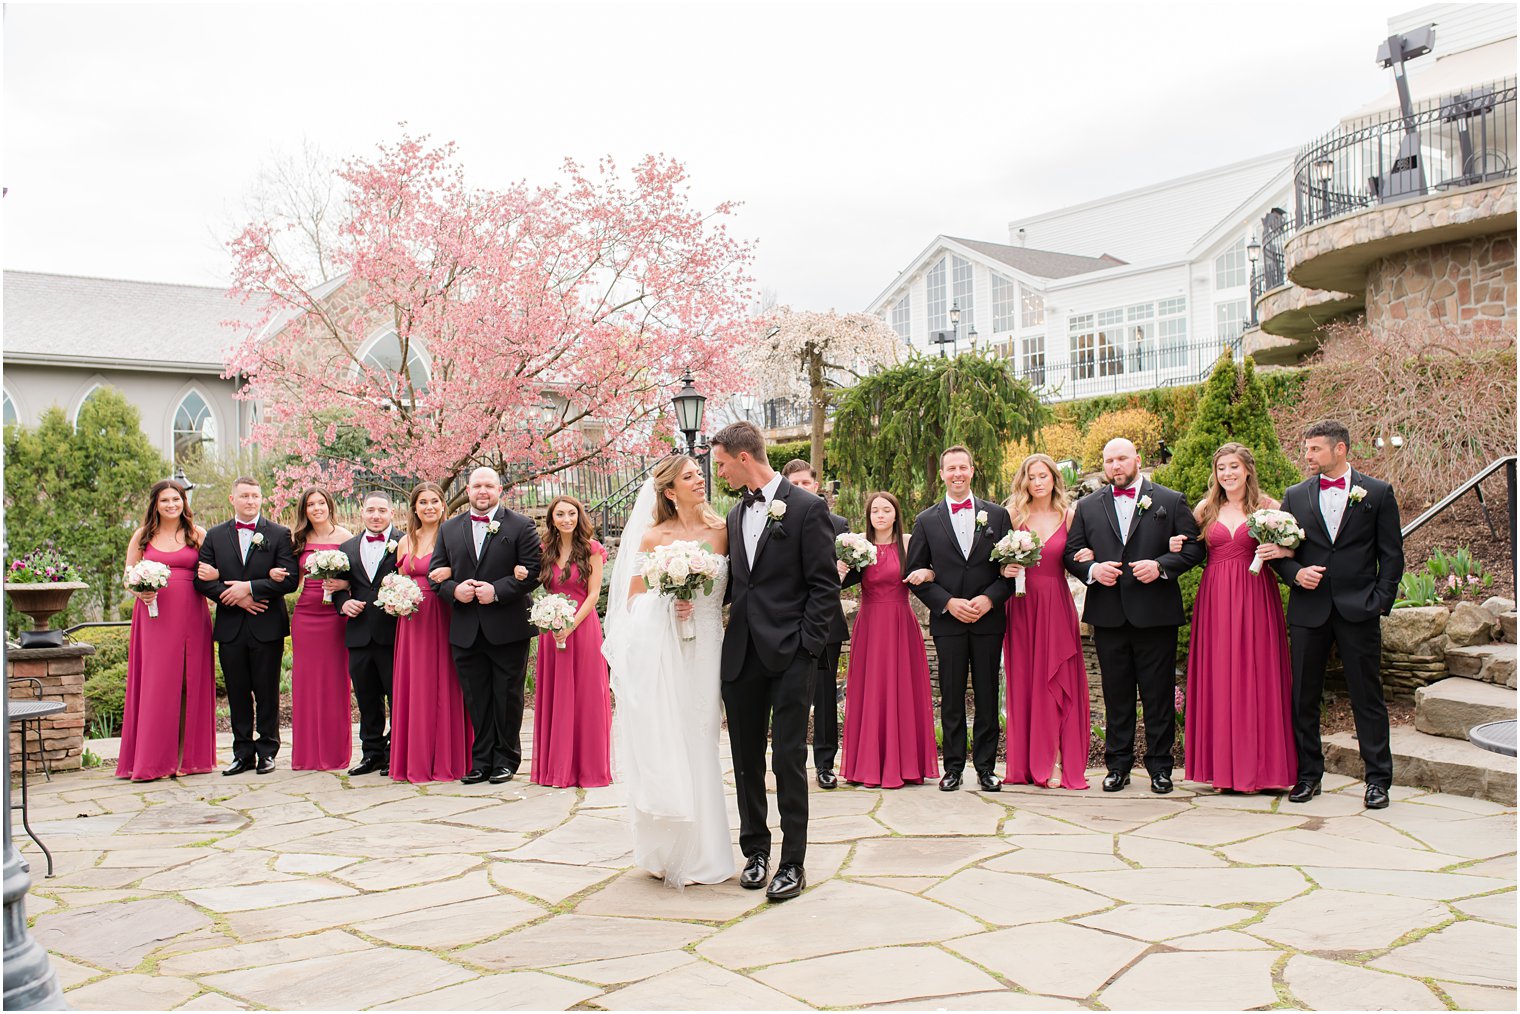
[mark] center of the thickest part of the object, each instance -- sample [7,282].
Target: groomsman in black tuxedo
[489,629]
[255,567]
[1119,544]
[954,540]
[1344,577]
[370,632]
[826,680]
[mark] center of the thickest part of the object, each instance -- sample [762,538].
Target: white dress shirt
[371,553]
[478,528]
[963,522]
[1332,503]
[752,523]
[245,538]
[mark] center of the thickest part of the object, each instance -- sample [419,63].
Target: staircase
[1435,754]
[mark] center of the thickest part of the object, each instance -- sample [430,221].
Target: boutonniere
[390,547]
[1143,504]
[981,519]
[257,542]
[775,511]
[493,527]
[1357,494]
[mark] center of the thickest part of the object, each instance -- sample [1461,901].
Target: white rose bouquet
[1020,547]
[678,570]
[553,613]
[325,564]
[1277,528]
[146,576]
[399,595]
[855,551]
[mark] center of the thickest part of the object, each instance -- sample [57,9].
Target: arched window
[194,429]
[384,353]
[92,392]
[10,409]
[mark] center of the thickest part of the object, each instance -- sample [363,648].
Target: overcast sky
[853,133]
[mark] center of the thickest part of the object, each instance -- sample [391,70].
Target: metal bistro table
[23,712]
[1496,737]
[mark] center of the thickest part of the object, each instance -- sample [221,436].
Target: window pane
[10,409]
[902,318]
[1230,319]
[1230,267]
[1004,303]
[939,319]
[965,292]
[1034,309]
[194,429]
[385,355]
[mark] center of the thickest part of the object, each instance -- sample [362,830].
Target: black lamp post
[1253,254]
[1324,170]
[943,338]
[183,480]
[690,406]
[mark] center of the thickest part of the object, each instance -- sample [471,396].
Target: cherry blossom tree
[444,327]
[806,355]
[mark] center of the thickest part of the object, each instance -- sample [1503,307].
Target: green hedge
[1175,406]
[781,453]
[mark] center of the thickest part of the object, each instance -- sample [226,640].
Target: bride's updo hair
[665,475]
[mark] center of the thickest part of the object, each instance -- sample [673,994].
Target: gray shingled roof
[70,317]
[1039,263]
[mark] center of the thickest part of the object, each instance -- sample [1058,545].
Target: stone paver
[1227,980]
[1340,921]
[1011,899]
[357,980]
[1470,952]
[1162,922]
[1329,985]
[251,896]
[921,857]
[1194,887]
[877,976]
[1056,958]
[573,938]
[507,991]
[117,936]
[1301,848]
[1494,908]
[448,926]
[133,992]
[698,986]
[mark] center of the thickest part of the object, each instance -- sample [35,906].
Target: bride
[667,690]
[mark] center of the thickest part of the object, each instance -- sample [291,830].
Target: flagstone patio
[312,890]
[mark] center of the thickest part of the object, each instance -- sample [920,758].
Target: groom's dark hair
[745,437]
[1332,429]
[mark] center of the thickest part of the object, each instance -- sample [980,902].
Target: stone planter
[42,601]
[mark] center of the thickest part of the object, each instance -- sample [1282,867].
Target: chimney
[1021,235]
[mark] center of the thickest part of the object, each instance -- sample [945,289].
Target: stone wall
[1467,285]
[61,673]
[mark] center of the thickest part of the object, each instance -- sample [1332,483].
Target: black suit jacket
[373,625]
[839,630]
[958,576]
[1362,566]
[788,599]
[221,551]
[1096,527]
[516,541]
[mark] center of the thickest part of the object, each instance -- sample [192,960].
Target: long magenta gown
[322,726]
[1049,716]
[168,723]
[430,730]
[572,710]
[888,707]
[1239,732]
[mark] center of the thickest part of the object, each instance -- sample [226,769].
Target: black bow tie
[754,496]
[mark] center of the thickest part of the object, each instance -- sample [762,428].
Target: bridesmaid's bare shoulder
[137,534]
[1071,513]
[1271,504]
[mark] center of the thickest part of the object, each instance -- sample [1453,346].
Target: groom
[784,589]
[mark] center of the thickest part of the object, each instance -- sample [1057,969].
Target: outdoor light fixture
[690,406]
[1253,250]
[955,314]
[1324,169]
[183,480]
[973,337]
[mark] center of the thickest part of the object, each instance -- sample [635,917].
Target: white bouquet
[1020,547]
[399,595]
[327,563]
[553,613]
[146,576]
[1277,528]
[855,551]
[678,570]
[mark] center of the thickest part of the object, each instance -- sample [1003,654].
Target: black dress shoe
[755,871]
[788,882]
[950,782]
[989,782]
[365,766]
[266,765]
[385,771]
[827,779]
[473,777]
[1303,792]
[1115,780]
[1161,783]
[502,775]
[1377,797]
[237,767]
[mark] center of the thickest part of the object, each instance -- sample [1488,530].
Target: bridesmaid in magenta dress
[168,724]
[430,730]
[1239,732]
[572,709]
[322,728]
[1049,723]
[889,708]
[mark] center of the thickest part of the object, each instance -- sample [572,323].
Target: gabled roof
[1039,263]
[109,321]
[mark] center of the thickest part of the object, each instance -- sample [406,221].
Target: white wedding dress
[668,708]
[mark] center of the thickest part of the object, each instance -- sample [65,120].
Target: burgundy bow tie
[375,538]
[964,505]
[481,519]
[1130,492]
[1325,483]
[246,525]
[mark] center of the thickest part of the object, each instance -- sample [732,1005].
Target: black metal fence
[1117,368]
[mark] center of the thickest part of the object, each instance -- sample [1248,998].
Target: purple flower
[1178,700]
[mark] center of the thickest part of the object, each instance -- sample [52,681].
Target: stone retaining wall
[1467,285]
[61,672]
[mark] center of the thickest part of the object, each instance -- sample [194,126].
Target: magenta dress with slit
[168,723]
[888,707]
[1239,732]
[572,709]
[430,730]
[321,719]
[1049,715]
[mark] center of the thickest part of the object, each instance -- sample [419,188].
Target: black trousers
[369,670]
[491,677]
[251,671]
[1143,658]
[826,708]
[1360,645]
[979,654]
[757,701]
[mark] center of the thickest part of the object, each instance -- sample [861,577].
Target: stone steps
[1507,627]
[1491,663]
[1432,762]
[1453,706]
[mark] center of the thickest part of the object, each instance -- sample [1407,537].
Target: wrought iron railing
[786,413]
[1119,369]
[1474,485]
[1453,141]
